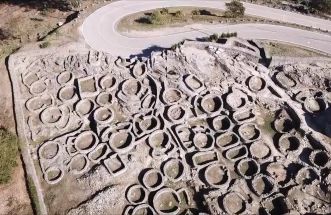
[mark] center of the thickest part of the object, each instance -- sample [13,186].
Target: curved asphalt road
[99,29]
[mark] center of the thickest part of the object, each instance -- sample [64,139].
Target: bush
[5,34]
[44,45]
[234,9]
[8,155]
[156,18]
[178,13]
[228,35]
[213,38]
[164,11]
[195,12]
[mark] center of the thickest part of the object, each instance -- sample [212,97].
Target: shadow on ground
[148,51]
[39,4]
[320,122]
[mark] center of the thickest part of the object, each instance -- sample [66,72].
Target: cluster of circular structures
[206,137]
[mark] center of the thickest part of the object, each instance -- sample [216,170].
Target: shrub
[234,9]
[213,38]
[195,12]
[44,45]
[4,34]
[8,155]
[178,13]
[164,11]
[156,18]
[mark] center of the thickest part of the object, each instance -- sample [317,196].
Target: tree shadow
[148,51]
[143,20]
[39,4]
[320,122]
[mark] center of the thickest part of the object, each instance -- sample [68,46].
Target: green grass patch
[8,155]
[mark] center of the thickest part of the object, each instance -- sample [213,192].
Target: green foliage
[164,11]
[213,38]
[234,9]
[228,35]
[196,12]
[156,18]
[8,155]
[44,45]
[178,13]
[320,5]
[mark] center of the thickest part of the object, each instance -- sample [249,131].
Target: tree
[234,9]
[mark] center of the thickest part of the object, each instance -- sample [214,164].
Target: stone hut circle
[175,133]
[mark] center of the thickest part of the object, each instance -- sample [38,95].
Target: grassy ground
[8,155]
[289,50]
[173,17]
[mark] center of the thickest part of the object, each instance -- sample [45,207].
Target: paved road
[99,29]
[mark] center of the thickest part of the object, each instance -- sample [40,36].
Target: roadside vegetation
[234,9]
[180,16]
[319,7]
[8,155]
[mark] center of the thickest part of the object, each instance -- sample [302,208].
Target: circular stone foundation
[53,175]
[217,176]
[288,143]
[203,141]
[86,141]
[159,140]
[107,82]
[67,93]
[139,70]
[172,96]
[314,105]
[49,150]
[104,99]
[211,104]
[84,107]
[166,201]
[121,141]
[283,125]
[236,100]
[79,164]
[306,175]
[136,194]
[148,124]
[153,179]
[176,113]
[142,209]
[319,158]
[51,115]
[249,132]
[221,123]
[236,153]
[227,140]
[284,80]
[174,169]
[248,168]
[38,87]
[256,84]
[131,87]
[263,185]
[260,150]
[103,115]
[64,77]
[193,83]
[234,203]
